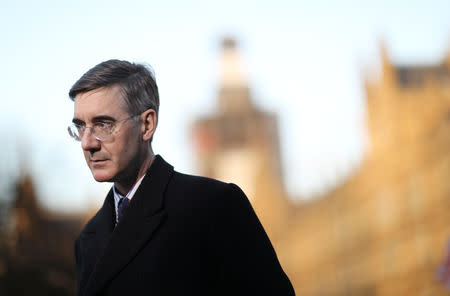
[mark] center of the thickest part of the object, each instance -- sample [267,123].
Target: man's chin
[101,176]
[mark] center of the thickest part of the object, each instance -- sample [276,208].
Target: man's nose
[88,141]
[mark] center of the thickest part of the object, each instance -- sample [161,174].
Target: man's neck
[124,187]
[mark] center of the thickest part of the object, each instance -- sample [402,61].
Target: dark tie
[123,204]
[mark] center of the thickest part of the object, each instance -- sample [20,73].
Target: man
[159,232]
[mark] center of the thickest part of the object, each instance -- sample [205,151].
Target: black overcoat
[181,235]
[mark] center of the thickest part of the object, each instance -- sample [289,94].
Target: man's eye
[103,125]
[79,127]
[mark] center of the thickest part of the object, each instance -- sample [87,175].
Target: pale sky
[304,60]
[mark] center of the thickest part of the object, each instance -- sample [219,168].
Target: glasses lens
[74,132]
[102,131]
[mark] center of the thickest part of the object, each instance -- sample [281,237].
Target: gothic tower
[239,143]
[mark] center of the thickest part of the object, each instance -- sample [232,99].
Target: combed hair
[136,81]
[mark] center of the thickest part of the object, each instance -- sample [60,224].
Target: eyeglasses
[100,130]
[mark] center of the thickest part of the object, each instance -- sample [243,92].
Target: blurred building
[240,144]
[37,247]
[384,230]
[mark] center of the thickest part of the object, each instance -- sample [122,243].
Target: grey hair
[136,81]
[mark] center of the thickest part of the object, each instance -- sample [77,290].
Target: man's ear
[149,121]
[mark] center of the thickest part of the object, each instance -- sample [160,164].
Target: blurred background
[333,116]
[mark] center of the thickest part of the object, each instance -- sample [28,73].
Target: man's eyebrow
[103,118]
[77,121]
[95,119]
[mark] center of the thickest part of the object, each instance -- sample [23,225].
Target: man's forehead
[113,92]
[100,101]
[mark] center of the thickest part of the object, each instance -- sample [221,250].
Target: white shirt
[130,194]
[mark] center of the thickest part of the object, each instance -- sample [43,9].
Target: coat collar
[143,216]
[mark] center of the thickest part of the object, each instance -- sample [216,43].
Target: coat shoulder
[203,189]
[198,182]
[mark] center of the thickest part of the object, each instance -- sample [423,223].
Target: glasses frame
[81,129]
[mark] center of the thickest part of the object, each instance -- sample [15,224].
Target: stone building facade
[381,232]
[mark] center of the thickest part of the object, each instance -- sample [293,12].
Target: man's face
[117,158]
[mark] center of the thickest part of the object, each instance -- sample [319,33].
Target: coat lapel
[94,238]
[141,219]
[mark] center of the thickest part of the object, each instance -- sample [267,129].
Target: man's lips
[98,161]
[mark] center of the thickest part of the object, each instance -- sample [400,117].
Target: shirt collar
[130,194]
